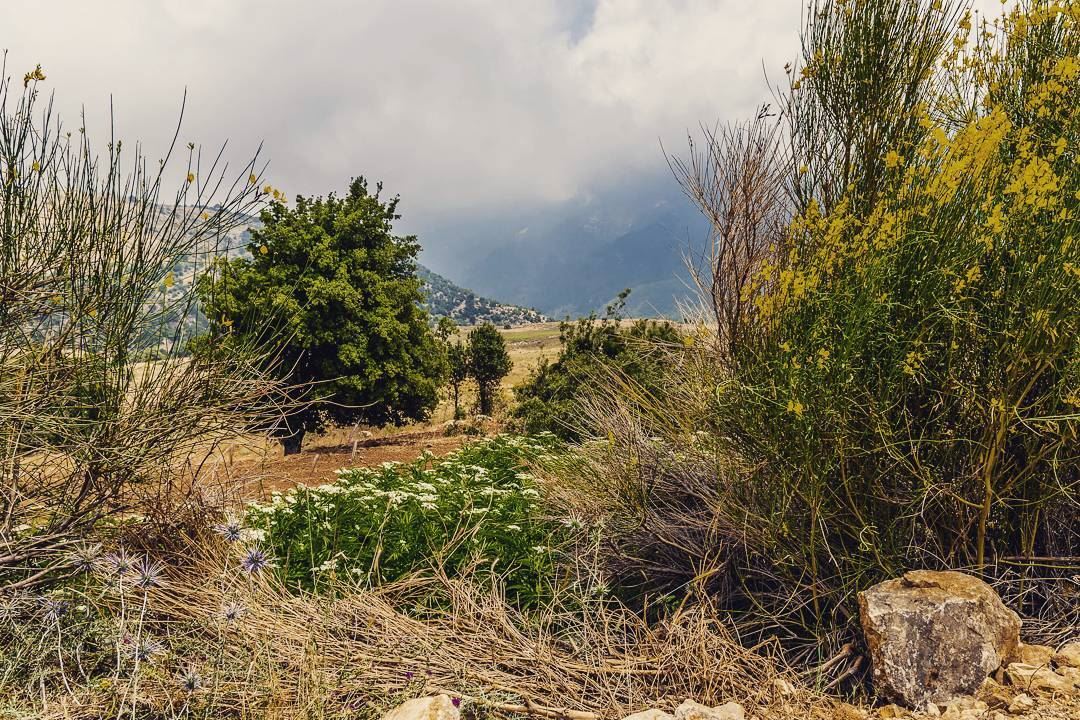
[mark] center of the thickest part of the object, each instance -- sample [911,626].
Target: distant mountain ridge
[572,259]
[464,307]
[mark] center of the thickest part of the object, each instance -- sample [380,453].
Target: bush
[904,392]
[595,352]
[475,508]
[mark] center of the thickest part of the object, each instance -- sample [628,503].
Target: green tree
[458,360]
[332,280]
[488,362]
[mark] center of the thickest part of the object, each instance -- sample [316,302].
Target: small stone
[991,693]
[650,714]
[437,707]
[1068,655]
[690,710]
[1034,654]
[1021,704]
[889,712]
[783,687]
[1030,678]
[1071,675]
[965,708]
[846,711]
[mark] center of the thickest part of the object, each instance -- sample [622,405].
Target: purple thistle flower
[231,530]
[145,650]
[52,609]
[119,563]
[408,675]
[84,558]
[232,612]
[190,680]
[255,560]
[456,701]
[148,573]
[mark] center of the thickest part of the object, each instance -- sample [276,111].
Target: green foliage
[595,352]
[475,508]
[340,288]
[907,392]
[489,363]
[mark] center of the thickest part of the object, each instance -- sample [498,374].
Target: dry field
[256,466]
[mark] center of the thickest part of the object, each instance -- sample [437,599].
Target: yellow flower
[252,180]
[795,407]
[263,249]
[36,167]
[191,177]
[169,280]
[892,159]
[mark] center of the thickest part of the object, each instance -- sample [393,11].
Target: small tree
[341,290]
[458,360]
[488,362]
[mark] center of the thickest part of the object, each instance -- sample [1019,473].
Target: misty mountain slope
[578,265]
[464,307]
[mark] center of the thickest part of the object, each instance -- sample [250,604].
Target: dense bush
[477,508]
[595,353]
[904,389]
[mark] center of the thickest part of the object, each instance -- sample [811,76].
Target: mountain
[464,307]
[573,258]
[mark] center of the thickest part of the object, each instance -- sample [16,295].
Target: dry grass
[330,656]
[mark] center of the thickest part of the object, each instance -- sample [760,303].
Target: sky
[460,106]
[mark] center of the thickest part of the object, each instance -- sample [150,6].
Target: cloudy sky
[459,106]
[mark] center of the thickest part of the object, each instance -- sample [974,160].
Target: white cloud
[475,103]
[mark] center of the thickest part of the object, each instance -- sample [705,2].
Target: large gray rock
[935,636]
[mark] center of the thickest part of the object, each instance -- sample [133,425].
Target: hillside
[464,307]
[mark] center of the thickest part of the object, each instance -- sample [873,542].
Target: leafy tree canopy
[332,281]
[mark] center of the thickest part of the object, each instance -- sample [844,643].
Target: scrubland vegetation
[884,375]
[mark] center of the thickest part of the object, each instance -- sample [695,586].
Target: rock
[966,708]
[1035,655]
[690,710]
[783,687]
[437,707]
[893,711]
[991,693]
[1071,675]
[932,710]
[650,714]
[845,711]
[935,636]
[1029,678]
[1068,655]
[1021,704]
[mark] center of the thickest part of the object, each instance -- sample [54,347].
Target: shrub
[89,288]
[903,392]
[488,363]
[477,507]
[595,352]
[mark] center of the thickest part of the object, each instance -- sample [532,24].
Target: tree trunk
[293,443]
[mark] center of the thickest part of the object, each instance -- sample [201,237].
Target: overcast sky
[457,105]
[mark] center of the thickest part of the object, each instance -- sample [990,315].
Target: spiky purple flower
[255,560]
[144,650]
[232,612]
[456,701]
[148,573]
[53,609]
[190,680]
[84,558]
[232,530]
[119,563]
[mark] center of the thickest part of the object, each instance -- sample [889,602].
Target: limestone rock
[995,696]
[966,708]
[1035,654]
[436,707]
[935,636]
[1030,678]
[690,710]
[1068,655]
[650,714]
[893,711]
[1022,703]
